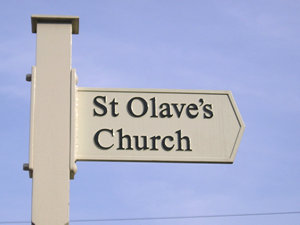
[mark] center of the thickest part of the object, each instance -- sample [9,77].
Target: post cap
[74,20]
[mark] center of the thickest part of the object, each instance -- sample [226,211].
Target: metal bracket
[29,166]
[74,114]
[73,111]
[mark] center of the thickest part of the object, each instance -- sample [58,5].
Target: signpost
[50,119]
[70,124]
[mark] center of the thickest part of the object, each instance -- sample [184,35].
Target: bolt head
[28,77]
[26,167]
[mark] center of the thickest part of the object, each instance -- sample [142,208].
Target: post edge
[74,20]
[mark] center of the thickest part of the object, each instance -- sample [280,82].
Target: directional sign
[157,125]
[88,124]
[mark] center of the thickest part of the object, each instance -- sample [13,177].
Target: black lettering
[99,105]
[97,142]
[165,112]
[208,111]
[177,110]
[163,143]
[144,104]
[201,101]
[179,140]
[153,104]
[144,147]
[124,137]
[191,107]
[154,138]
[113,104]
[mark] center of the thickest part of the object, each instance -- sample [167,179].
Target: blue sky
[248,47]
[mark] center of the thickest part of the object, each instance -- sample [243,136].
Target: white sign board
[156,125]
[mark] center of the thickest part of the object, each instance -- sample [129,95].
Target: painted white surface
[213,139]
[50,124]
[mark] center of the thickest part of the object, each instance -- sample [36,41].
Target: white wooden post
[50,119]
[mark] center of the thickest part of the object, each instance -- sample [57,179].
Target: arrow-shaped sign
[157,125]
